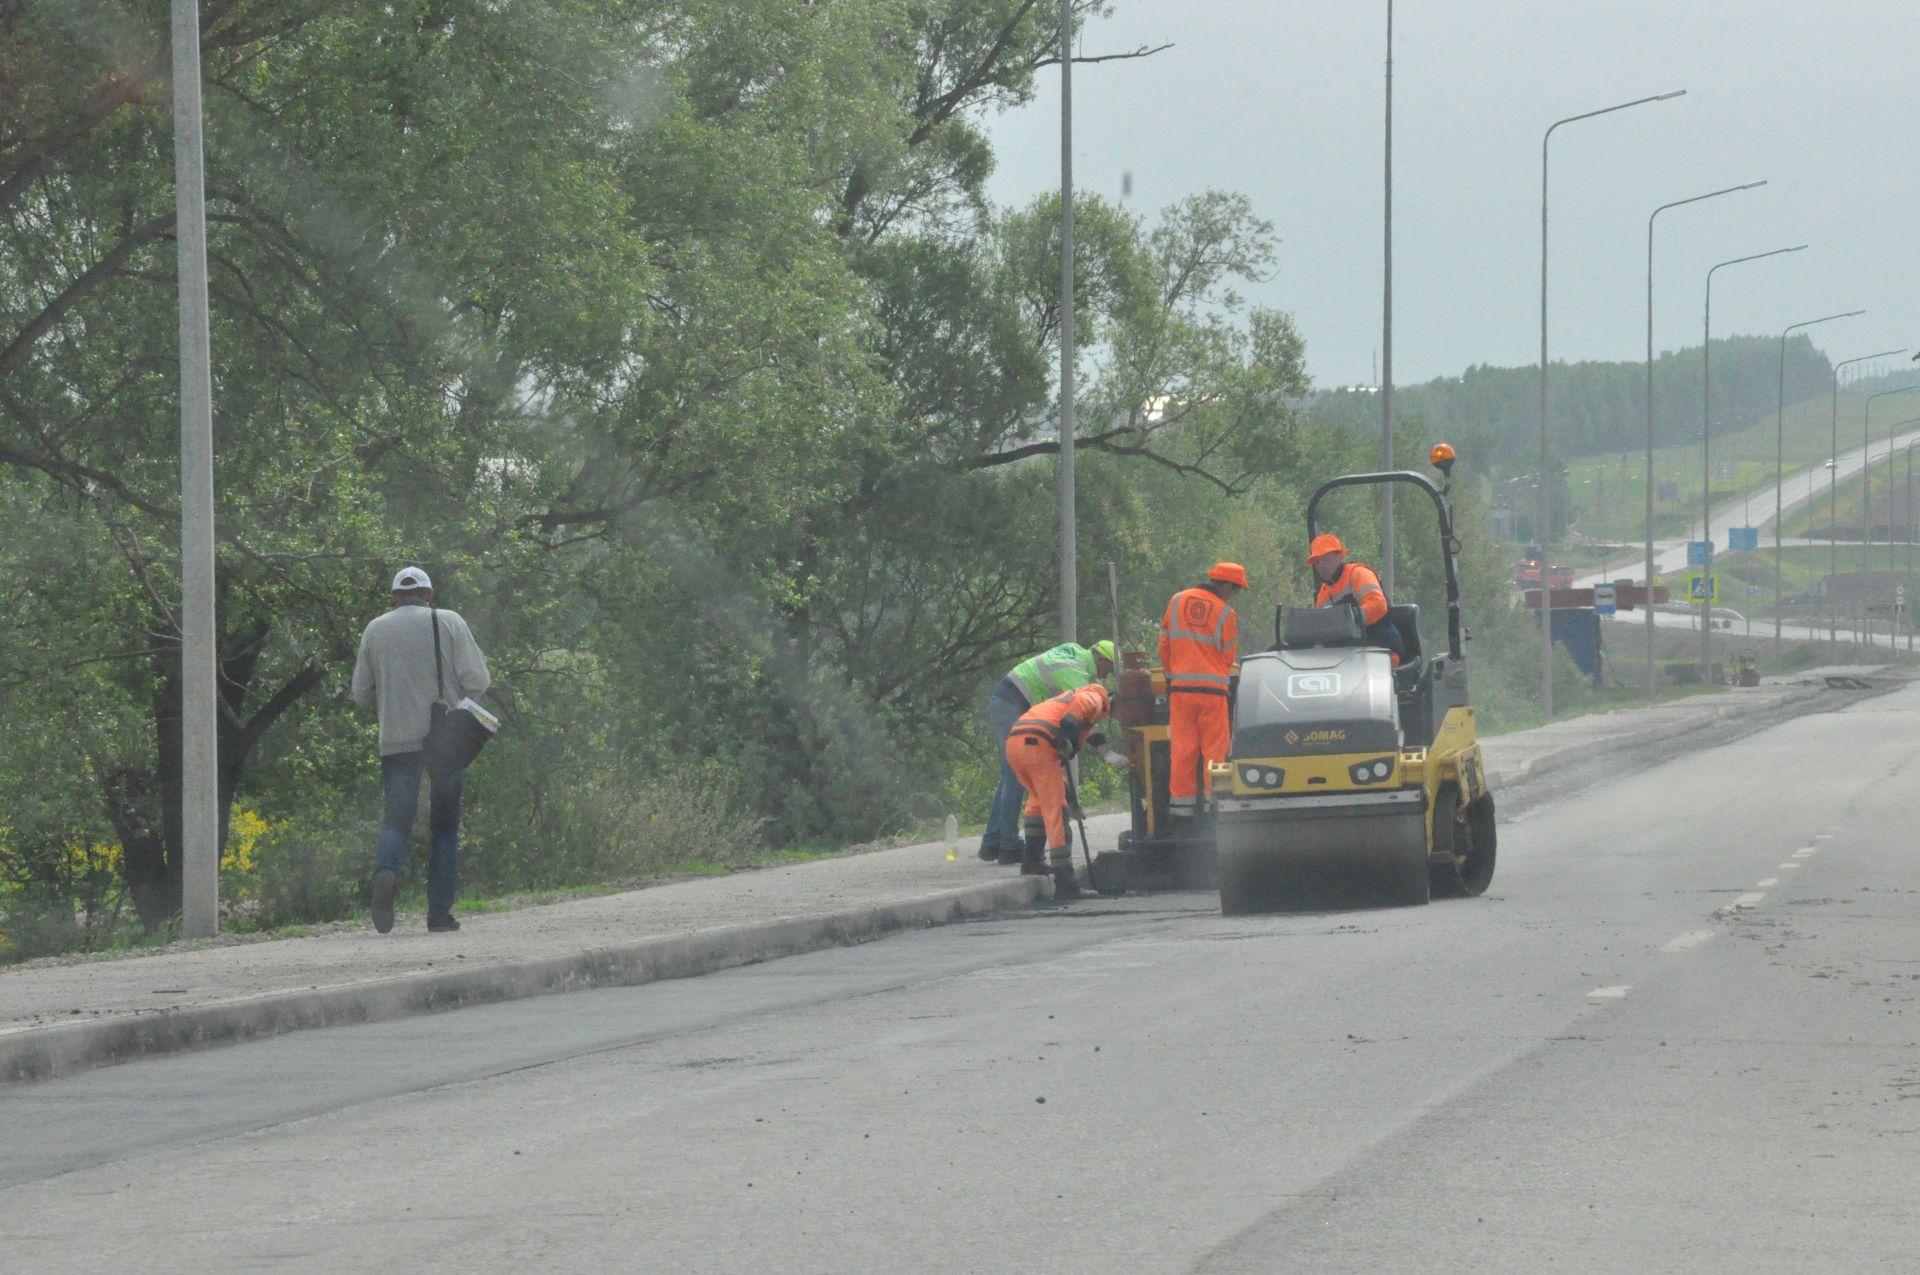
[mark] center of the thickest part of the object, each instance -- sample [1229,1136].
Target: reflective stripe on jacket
[1356,583]
[1199,642]
[1086,705]
[1066,667]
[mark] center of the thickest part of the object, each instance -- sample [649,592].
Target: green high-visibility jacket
[1067,667]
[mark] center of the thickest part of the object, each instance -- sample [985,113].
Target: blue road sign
[1605,599]
[1703,589]
[1758,591]
[1699,553]
[1743,537]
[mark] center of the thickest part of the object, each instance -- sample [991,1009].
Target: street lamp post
[1779,455]
[1069,551]
[199,745]
[1545,510]
[1833,488]
[1653,675]
[1386,327]
[1706,441]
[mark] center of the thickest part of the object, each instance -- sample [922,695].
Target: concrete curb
[43,1053]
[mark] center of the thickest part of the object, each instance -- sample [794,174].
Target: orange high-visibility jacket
[1086,705]
[1358,583]
[1199,642]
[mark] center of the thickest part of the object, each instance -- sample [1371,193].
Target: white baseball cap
[411,578]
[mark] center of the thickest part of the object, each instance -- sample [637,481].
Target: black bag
[455,736]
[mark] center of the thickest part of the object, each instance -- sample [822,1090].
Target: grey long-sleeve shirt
[395,669]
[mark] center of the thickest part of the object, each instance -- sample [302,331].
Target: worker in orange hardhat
[1038,748]
[1199,644]
[1354,583]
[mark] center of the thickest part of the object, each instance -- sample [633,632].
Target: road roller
[1349,781]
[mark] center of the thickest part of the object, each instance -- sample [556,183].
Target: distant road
[1670,556]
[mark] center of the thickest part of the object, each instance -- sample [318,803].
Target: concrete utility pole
[1779,462]
[1706,442]
[1386,336]
[1545,512]
[1069,565]
[1833,488]
[200,750]
[1653,672]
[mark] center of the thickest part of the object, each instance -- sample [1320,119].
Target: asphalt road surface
[1681,1033]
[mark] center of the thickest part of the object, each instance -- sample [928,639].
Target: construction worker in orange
[1199,644]
[1039,747]
[1344,583]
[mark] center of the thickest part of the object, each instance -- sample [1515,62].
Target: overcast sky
[1282,100]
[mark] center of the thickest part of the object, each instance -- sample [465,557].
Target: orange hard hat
[1229,573]
[1323,545]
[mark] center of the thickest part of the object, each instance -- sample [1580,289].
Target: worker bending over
[1066,667]
[1039,747]
[1199,644]
[1343,582]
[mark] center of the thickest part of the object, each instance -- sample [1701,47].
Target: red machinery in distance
[1626,596]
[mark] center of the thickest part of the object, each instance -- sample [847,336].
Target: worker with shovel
[1066,667]
[1039,748]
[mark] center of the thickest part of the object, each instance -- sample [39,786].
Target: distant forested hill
[1596,407]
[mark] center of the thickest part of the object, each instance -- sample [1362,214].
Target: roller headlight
[1262,777]
[1371,771]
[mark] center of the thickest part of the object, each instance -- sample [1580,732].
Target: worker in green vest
[1066,667]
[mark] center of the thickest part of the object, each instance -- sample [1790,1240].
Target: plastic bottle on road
[953,839]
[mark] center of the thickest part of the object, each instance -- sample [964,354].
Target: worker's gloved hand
[1064,746]
[1069,725]
[1098,739]
[1074,812]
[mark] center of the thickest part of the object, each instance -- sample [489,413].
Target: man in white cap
[401,670]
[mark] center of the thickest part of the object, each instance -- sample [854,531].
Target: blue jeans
[400,777]
[1004,707]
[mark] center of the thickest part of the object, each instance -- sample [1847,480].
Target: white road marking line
[1787,867]
[1823,836]
[1692,938]
[1766,883]
[1609,993]
[1803,852]
[1748,900]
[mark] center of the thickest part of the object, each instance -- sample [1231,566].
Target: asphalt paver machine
[1349,781]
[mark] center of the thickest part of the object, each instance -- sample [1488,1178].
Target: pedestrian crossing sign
[1703,588]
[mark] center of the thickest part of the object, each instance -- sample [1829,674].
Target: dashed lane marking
[1748,900]
[1766,883]
[1691,939]
[1787,867]
[1823,836]
[1803,852]
[1609,993]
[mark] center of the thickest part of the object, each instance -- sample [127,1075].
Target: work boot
[1034,862]
[990,851]
[385,883]
[1033,834]
[1065,885]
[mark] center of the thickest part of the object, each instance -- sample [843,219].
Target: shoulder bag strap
[439,676]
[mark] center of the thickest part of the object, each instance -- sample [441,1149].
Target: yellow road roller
[1348,782]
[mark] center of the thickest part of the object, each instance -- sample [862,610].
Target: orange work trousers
[1037,766]
[1197,728]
